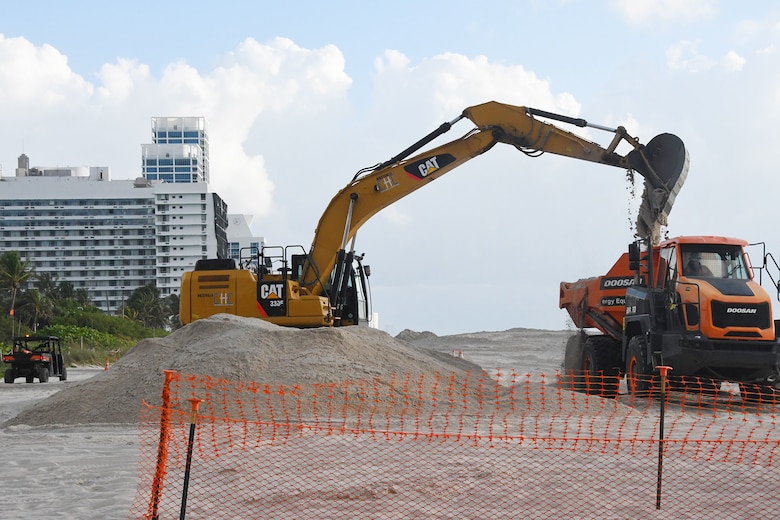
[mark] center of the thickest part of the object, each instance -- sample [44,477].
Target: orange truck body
[599,302]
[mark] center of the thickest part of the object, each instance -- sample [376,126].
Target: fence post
[664,370]
[162,449]
[195,402]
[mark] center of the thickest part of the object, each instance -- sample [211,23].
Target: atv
[35,356]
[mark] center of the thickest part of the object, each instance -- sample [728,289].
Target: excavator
[327,286]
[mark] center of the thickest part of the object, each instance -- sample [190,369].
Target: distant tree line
[31,302]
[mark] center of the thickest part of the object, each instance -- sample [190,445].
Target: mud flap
[572,361]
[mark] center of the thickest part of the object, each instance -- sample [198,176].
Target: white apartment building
[189,223]
[242,244]
[111,237]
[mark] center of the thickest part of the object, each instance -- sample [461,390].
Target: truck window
[714,261]
[667,267]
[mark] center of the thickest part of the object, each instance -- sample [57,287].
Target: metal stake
[195,402]
[664,370]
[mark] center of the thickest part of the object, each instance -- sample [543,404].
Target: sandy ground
[73,471]
[71,449]
[89,471]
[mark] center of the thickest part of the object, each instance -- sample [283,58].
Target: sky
[299,96]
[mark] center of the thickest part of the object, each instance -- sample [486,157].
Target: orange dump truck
[690,303]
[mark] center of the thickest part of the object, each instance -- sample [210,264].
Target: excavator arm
[662,162]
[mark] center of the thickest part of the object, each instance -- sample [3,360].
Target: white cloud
[644,12]
[120,79]
[733,62]
[445,84]
[37,79]
[684,56]
[62,115]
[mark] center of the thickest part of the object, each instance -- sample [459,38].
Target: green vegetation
[40,304]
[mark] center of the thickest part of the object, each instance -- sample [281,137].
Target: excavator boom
[663,163]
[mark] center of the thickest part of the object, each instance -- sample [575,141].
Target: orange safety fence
[456,446]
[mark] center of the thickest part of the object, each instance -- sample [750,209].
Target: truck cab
[697,308]
[691,303]
[712,286]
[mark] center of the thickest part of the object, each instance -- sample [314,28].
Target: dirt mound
[237,349]
[412,336]
[523,350]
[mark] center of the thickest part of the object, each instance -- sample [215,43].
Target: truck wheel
[639,377]
[43,375]
[9,376]
[600,373]
[64,373]
[29,377]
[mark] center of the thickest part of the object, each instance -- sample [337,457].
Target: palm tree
[35,306]
[46,283]
[131,314]
[14,273]
[150,307]
[65,290]
[81,296]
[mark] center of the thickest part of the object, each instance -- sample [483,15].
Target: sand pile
[237,349]
[249,350]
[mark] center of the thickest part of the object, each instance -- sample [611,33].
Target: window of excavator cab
[714,261]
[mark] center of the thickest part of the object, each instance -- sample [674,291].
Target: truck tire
[639,377]
[64,373]
[9,376]
[43,375]
[600,373]
[30,376]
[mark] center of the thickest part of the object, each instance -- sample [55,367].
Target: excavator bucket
[663,162]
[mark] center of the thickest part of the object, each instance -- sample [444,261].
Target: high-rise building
[179,152]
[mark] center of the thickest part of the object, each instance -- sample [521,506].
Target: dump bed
[599,302]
